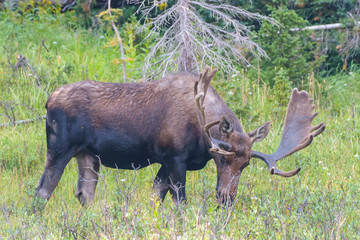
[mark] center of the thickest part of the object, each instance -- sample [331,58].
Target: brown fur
[132,125]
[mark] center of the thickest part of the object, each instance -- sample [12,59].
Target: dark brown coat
[129,126]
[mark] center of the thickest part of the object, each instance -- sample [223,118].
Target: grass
[321,202]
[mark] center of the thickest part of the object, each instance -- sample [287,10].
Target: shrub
[289,50]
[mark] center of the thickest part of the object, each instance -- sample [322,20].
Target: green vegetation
[290,50]
[322,201]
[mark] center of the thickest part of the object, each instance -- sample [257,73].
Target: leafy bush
[281,89]
[289,50]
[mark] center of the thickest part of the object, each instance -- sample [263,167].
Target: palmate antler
[298,132]
[200,90]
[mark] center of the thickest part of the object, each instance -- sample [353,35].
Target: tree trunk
[326,26]
[186,60]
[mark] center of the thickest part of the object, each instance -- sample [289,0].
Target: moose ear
[225,126]
[260,133]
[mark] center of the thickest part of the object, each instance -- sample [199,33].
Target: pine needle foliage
[289,50]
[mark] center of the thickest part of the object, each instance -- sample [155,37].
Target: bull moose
[133,125]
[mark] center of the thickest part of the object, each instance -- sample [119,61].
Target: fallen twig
[13,123]
[22,61]
[327,26]
[4,210]
[8,58]
[43,44]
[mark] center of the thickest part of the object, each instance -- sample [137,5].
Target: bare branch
[119,41]
[189,42]
[21,122]
[347,47]
[22,61]
[327,26]
[5,211]
[351,42]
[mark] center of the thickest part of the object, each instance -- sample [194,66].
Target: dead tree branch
[347,47]
[328,26]
[189,42]
[9,112]
[13,123]
[43,44]
[12,66]
[351,43]
[22,61]
[5,211]
[119,40]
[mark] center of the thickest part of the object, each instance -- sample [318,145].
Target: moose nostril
[78,195]
[81,198]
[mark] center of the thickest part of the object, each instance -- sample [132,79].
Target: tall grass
[322,201]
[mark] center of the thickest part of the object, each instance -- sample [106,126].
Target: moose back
[179,122]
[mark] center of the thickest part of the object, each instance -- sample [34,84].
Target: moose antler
[297,134]
[200,90]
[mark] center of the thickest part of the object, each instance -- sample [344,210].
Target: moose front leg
[177,179]
[173,178]
[161,184]
[88,177]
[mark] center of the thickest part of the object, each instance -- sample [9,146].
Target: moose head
[233,150]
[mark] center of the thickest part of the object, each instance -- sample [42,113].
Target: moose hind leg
[88,177]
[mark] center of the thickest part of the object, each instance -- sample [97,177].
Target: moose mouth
[225,199]
[225,196]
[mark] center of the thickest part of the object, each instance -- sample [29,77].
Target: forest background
[43,48]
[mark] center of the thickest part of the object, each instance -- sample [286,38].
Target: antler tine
[200,90]
[320,128]
[199,98]
[210,125]
[298,132]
